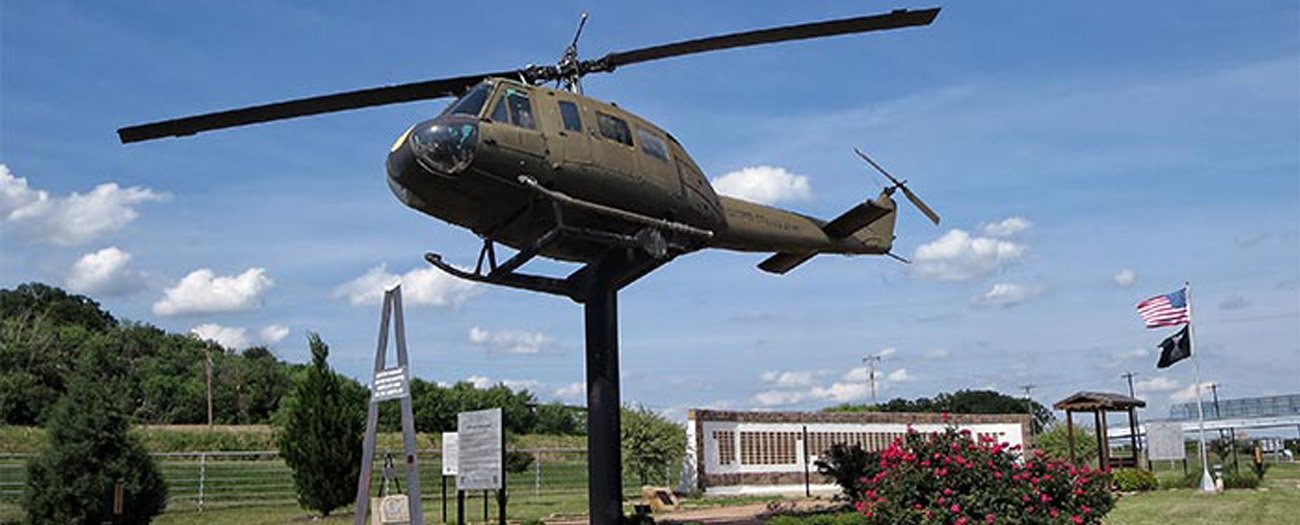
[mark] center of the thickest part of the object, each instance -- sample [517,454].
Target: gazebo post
[1069,434]
[1133,437]
[1103,443]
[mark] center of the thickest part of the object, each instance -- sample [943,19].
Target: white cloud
[956,256]
[203,292]
[572,391]
[1135,353]
[840,392]
[235,338]
[886,352]
[859,373]
[509,341]
[1126,277]
[1006,295]
[900,376]
[1156,384]
[104,273]
[421,286]
[272,334]
[772,398]
[70,220]
[228,337]
[1189,394]
[764,185]
[937,353]
[787,379]
[1009,227]
[481,382]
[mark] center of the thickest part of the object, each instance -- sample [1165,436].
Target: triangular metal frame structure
[388,384]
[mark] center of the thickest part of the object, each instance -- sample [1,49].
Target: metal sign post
[390,383]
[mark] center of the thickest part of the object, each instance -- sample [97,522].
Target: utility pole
[1129,377]
[1029,406]
[208,354]
[870,361]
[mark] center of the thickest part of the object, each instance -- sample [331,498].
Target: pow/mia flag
[1175,348]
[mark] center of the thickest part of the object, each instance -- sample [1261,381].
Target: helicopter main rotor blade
[896,19]
[429,89]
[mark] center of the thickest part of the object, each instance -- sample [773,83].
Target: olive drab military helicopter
[524,159]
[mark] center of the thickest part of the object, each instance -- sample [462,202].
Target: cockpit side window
[499,113]
[569,112]
[651,144]
[471,103]
[521,109]
[614,128]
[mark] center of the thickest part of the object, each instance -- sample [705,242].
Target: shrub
[1244,480]
[849,466]
[947,477]
[321,437]
[1131,480]
[1055,442]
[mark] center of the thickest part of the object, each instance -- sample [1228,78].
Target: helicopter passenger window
[521,110]
[614,128]
[652,144]
[569,112]
[472,102]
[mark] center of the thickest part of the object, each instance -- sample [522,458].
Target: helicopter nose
[445,145]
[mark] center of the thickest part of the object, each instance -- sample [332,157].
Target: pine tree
[321,435]
[90,450]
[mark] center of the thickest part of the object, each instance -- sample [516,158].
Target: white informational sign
[390,384]
[449,453]
[1165,441]
[479,451]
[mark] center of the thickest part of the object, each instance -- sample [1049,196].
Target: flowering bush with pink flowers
[949,478]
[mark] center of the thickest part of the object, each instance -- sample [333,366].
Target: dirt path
[750,514]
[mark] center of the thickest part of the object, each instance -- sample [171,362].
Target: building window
[726,440]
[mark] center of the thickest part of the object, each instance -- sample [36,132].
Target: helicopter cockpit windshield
[472,102]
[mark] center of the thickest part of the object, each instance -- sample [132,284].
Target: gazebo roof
[1090,401]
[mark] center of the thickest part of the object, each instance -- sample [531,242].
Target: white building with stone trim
[729,453]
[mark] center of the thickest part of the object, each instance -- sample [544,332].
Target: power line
[1129,377]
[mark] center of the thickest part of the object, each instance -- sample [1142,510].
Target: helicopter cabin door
[613,149]
[515,127]
[566,135]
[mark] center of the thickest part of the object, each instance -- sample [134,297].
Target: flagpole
[1207,482]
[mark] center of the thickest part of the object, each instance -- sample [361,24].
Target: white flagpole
[1207,482]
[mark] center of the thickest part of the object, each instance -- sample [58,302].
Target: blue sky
[1083,156]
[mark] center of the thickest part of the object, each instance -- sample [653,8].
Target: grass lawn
[1276,502]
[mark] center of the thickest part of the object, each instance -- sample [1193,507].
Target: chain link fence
[555,479]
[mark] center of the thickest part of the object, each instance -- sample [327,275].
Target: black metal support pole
[501,506]
[444,498]
[604,455]
[485,506]
[460,507]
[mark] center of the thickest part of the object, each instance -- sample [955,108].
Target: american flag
[1165,310]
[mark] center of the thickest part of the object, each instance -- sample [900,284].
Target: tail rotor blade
[934,217]
[902,185]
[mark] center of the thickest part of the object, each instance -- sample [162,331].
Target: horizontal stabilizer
[857,218]
[783,262]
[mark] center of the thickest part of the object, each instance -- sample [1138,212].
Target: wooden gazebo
[1100,403]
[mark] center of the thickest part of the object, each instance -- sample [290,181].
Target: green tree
[556,419]
[961,402]
[321,435]
[90,450]
[652,445]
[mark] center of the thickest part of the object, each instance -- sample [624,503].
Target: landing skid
[639,253]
